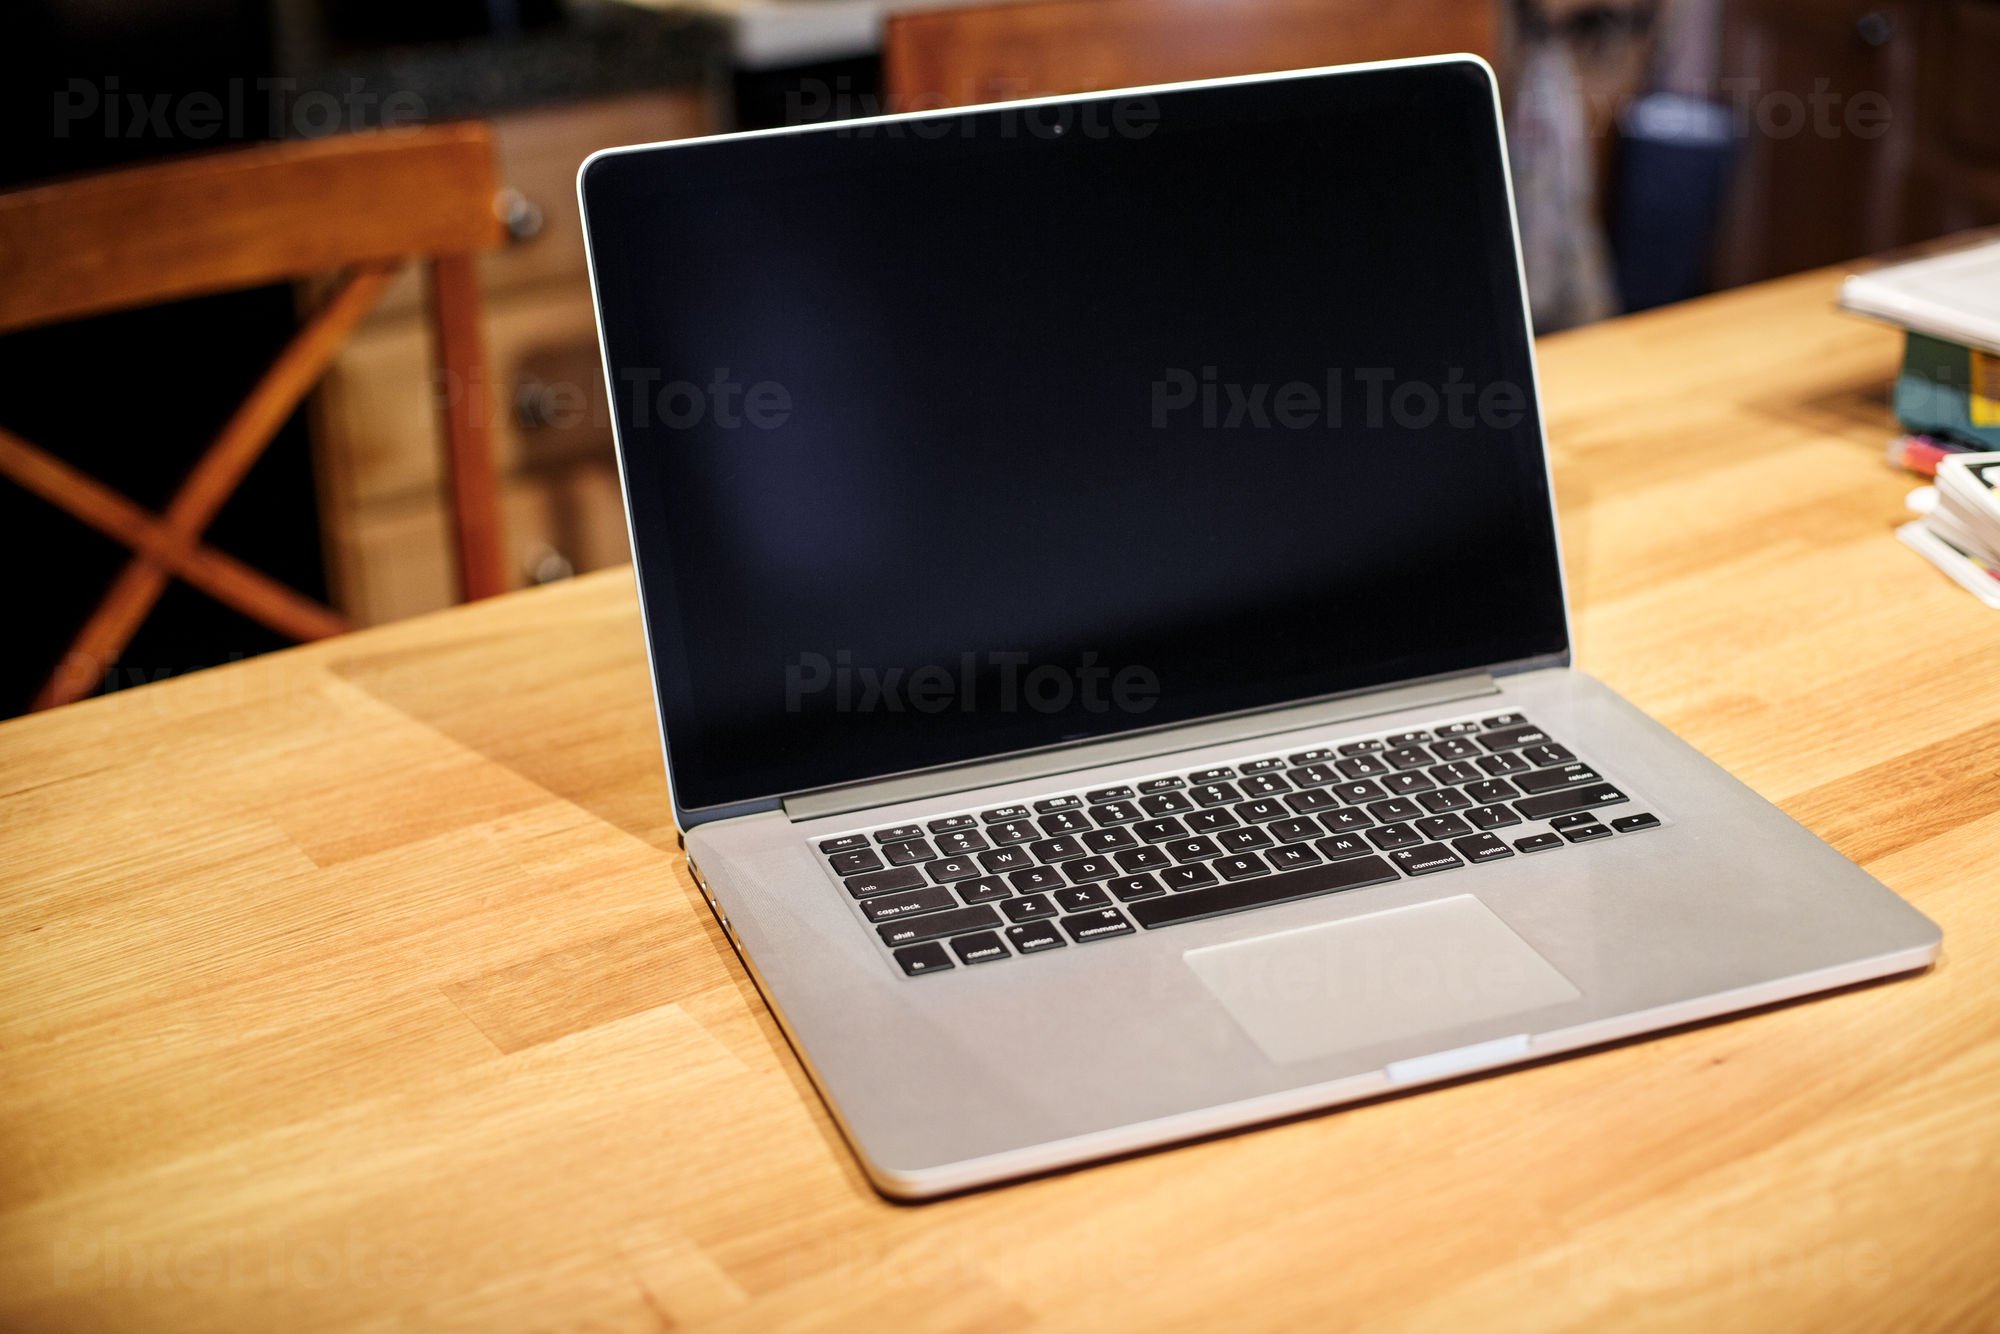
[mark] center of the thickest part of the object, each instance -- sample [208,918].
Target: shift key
[1581,798]
[931,926]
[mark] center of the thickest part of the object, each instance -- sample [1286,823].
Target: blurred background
[1660,150]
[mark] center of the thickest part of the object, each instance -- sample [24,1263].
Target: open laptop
[1108,629]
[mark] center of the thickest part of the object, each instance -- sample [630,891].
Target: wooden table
[362,984]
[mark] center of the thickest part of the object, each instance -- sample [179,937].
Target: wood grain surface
[361,985]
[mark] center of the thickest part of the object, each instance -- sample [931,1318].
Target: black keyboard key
[845,843]
[1261,811]
[1104,794]
[1109,840]
[1152,785]
[1586,797]
[903,854]
[1142,859]
[1362,766]
[1165,803]
[1100,925]
[1159,831]
[1587,833]
[937,925]
[902,833]
[1003,814]
[1632,824]
[1458,729]
[1408,757]
[884,882]
[1261,766]
[1478,848]
[1562,822]
[1036,880]
[1116,812]
[1425,860]
[1080,898]
[949,824]
[983,890]
[1400,739]
[1050,805]
[1454,748]
[1312,799]
[1392,836]
[1086,869]
[1298,829]
[1291,857]
[1314,775]
[1345,820]
[1455,774]
[1129,888]
[1342,846]
[1538,843]
[1513,738]
[1444,799]
[1194,876]
[1394,809]
[1215,794]
[1028,909]
[1058,849]
[984,947]
[1035,937]
[1013,831]
[1491,817]
[1543,756]
[855,862]
[888,907]
[1499,720]
[1442,827]
[1065,822]
[1264,785]
[1490,791]
[997,860]
[1330,878]
[1203,777]
[1192,849]
[1402,785]
[1506,762]
[1210,822]
[953,868]
[918,959]
[1244,840]
[1560,776]
[961,841]
[1354,794]
[1311,756]
[1361,748]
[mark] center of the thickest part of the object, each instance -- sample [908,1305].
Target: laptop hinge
[1135,746]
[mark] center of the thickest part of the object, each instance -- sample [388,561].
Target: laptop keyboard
[1083,867]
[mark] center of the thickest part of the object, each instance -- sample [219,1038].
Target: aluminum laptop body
[1102,593]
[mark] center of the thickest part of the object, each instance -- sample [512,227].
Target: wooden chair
[359,206]
[994,52]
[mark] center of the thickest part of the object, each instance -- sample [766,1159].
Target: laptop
[1108,630]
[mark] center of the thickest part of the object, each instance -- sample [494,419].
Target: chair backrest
[360,206]
[956,56]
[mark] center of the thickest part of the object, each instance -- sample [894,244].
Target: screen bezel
[667,642]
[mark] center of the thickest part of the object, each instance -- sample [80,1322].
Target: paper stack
[1959,531]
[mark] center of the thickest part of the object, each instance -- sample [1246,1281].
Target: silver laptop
[1108,629]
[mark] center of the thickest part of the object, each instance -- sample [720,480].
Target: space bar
[1245,894]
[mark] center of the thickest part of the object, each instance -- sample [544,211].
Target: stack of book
[1948,402]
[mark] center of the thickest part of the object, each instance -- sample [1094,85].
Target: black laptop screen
[958,438]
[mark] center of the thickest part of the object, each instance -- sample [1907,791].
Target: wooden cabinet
[382,512]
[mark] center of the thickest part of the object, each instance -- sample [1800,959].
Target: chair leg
[466,412]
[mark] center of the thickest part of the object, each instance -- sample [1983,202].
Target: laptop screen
[952,438]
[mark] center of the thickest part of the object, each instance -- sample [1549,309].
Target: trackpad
[1368,980]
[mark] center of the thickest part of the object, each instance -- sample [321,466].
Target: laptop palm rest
[1385,977]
